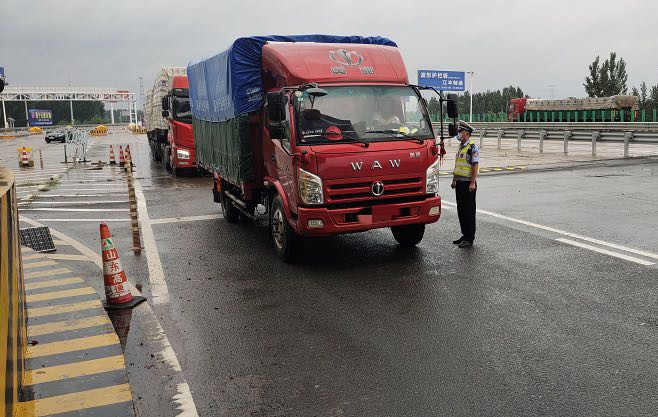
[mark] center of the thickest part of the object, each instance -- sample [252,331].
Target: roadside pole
[4,113]
[470,114]
[72,120]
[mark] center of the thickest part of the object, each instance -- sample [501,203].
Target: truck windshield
[361,114]
[181,108]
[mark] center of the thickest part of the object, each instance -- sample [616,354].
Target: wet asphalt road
[519,325]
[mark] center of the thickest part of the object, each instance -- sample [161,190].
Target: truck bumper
[184,163]
[323,221]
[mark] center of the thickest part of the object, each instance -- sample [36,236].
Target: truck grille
[342,190]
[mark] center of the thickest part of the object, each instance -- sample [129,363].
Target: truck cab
[179,152]
[351,145]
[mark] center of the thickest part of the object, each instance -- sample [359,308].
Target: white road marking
[183,397]
[84,203]
[113,187]
[71,209]
[185,219]
[78,195]
[85,220]
[68,257]
[159,289]
[565,233]
[605,251]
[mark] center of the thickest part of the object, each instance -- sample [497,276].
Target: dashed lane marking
[65,257]
[71,345]
[78,195]
[53,283]
[646,254]
[67,325]
[84,368]
[605,251]
[85,220]
[59,294]
[47,273]
[75,401]
[83,203]
[65,308]
[64,209]
[30,265]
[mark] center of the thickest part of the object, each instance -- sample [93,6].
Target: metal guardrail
[566,132]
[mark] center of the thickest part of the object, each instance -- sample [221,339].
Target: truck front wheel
[408,236]
[285,240]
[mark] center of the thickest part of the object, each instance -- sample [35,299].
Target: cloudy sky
[534,45]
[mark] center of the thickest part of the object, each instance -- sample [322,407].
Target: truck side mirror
[452,130]
[276,131]
[165,113]
[451,106]
[275,109]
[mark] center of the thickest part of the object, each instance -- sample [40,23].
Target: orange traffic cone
[25,161]
[129,155]
[113,161]
[116,293]
[121,160]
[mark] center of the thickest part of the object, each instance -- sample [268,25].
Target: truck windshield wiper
[397,133]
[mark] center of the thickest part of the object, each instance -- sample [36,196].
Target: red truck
[321,135]
[169,120]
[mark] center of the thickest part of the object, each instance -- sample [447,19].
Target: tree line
[609,78]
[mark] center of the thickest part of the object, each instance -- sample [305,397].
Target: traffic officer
[464,182]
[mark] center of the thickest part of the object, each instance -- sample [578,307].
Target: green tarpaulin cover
[226,148]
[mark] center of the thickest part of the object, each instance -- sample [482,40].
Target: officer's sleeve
[475,154]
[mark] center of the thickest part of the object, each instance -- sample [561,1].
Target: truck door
[279,160]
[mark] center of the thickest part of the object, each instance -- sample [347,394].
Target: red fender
[279,189]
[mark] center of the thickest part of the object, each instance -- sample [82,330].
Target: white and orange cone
[117,293]
[25,161]
[129,156]
[121,160]
[113,160]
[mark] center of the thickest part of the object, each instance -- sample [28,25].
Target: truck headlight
[182,154]
[310,188]
[432,178]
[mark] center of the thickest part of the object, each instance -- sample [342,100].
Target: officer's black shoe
[465,244]
[458,241]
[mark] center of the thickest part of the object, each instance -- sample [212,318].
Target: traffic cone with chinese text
[116,292]
[121,160]
[113,160]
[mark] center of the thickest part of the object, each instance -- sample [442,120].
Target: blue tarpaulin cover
[229,84]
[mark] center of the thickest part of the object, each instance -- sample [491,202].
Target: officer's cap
[462,125]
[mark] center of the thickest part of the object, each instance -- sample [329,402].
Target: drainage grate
[37,238]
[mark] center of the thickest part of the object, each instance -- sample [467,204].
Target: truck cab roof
[302,62]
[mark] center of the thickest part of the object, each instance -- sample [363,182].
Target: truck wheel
[231,214]
[286,241]
[408,236]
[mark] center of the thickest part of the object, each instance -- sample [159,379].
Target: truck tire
[230,213]
[284,239]
[408,236]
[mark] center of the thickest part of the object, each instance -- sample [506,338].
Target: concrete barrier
[13,318]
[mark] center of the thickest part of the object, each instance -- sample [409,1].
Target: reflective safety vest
[462,167]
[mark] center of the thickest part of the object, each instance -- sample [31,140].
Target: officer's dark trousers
[466,210]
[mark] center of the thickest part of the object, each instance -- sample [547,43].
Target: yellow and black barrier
[100,130]
[13,319]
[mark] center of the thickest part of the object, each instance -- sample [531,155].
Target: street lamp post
[470,114]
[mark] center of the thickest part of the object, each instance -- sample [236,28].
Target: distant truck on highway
[601,109]
[321,135]
[168,120]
